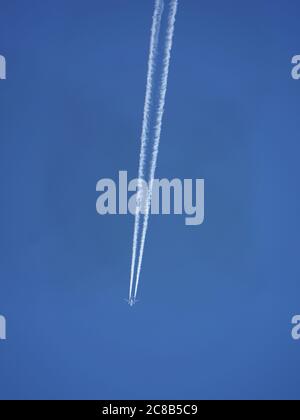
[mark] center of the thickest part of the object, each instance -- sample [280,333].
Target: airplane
[131,301]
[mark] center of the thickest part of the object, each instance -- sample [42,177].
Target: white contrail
[155,30]
[158,127]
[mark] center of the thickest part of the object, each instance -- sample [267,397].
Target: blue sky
[216,302]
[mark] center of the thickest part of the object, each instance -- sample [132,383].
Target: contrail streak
[158,128]
[155,30]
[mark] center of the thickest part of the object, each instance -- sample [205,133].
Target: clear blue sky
[214,320]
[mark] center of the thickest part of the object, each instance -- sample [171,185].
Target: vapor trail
[155,30]
[158,128]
